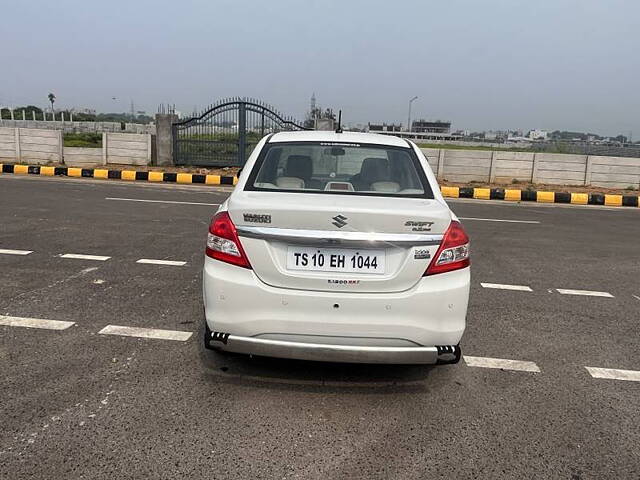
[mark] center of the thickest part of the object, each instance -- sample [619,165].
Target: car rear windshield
[349,168]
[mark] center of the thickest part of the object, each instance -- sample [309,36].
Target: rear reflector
[223,243]
[453,253]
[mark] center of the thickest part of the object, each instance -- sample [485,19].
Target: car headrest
[299,166]
[374,169]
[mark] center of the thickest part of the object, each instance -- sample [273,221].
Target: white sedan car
[337,247]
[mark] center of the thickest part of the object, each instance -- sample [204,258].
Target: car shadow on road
[287,374]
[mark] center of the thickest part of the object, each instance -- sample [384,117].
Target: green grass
[86,139]
[221,146]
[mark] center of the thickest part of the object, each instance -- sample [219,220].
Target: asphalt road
[79,404]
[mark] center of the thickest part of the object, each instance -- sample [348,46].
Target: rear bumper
[334,353]
[400,327]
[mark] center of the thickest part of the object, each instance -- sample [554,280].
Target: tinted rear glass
[355,169]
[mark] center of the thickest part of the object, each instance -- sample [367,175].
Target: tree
[28,112]
[52,98]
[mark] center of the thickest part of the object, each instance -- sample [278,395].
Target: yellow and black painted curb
[150,176]
[451,192]
[541,196]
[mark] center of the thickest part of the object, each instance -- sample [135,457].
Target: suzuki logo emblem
[340,221]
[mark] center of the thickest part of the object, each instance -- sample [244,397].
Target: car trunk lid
[326,242]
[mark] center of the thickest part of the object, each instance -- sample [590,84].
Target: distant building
[327,124]
[425,126]
[541,135]
[420,130]
[493,136]
[318,119]
[462,133]
[516,139]
[377,128]
[496,135]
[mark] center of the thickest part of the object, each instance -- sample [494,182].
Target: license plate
[347,260]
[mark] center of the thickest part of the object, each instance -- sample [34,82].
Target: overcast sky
[551,64]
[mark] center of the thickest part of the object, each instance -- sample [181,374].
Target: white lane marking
[78,256]
[34,323]
[498,220]
[614,374]
[161,262]
[587,293]
[522,288]
[485,362]
[160,201]
[15,252]
[146,333]
[636,297]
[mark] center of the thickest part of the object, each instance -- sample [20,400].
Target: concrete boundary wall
[73,127]
[127,148]
[512,165]
[612,171]
[548,168]
[41,146]
[31,145]
[38,147]
[81,156]
[8,143]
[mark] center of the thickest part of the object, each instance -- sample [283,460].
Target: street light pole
[409,116]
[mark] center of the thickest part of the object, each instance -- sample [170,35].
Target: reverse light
[453,253]
[223,243]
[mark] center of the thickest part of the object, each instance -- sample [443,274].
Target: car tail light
[453,252]
[223,243]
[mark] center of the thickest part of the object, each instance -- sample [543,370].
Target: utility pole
[133,116]
[409,116]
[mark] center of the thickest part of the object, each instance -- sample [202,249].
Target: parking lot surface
[104,376]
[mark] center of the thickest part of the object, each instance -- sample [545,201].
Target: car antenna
[339,129]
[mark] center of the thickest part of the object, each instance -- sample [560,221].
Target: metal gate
[225,134]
